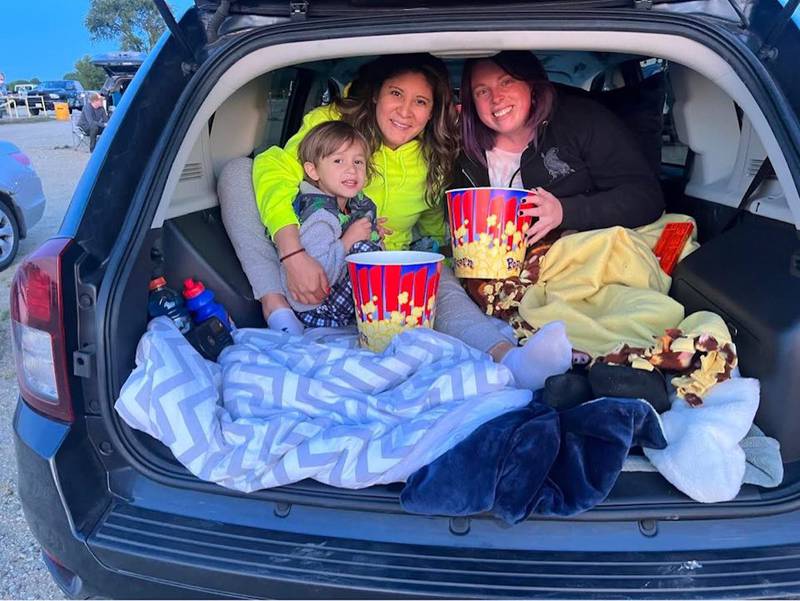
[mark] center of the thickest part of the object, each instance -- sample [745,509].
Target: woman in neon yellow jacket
[403,106]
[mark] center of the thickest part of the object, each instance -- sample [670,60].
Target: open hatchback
[118,516]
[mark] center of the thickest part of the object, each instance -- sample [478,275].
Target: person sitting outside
[3,93]
[93,119]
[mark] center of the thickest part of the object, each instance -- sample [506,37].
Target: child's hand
[383,231]
[359,230]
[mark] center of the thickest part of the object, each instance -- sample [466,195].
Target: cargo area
[708,145]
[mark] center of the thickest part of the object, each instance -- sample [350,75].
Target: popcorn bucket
[393,291]
[487,232]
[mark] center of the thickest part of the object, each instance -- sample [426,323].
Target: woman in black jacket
[582,166]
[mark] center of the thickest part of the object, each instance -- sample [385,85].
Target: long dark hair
[439,139]
[476,137]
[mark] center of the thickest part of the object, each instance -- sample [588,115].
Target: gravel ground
[22,573]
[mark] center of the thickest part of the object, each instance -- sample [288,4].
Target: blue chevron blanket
[278,409]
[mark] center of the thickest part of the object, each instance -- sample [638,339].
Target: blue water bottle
[165,301]
[201,303]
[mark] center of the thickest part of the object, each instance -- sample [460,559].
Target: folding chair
[9,107]
[79,137]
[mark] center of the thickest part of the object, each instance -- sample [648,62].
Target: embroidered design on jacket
[554,165]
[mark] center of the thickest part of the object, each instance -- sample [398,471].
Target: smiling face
[403,108]
[341,174]
[503,104]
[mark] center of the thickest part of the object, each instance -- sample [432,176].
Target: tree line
[136,25]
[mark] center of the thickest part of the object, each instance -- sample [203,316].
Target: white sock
[547,353]
[286,321]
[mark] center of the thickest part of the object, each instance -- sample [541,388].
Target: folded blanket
[535,460]
[704,458]
[278,409]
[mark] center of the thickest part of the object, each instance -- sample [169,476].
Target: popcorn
[487,232]
[378,334]
[486,258]
[393,291]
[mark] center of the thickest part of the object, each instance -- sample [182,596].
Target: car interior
[695,119]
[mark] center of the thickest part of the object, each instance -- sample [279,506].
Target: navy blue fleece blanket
[535,460]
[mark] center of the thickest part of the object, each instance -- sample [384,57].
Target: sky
[44,38]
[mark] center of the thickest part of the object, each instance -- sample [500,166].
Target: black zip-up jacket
[590,161]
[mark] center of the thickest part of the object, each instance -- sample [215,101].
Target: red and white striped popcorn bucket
[487,231]
[393,291]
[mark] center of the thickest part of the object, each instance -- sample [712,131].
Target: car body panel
[23,186]
[733,10]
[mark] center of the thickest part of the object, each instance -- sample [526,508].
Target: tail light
[37,325]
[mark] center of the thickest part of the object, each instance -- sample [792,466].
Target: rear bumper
[262,562]
[60,525]
[150,540]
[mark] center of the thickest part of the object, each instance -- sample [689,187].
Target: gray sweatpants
[456,314]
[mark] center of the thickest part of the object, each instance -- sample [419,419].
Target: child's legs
[338,309]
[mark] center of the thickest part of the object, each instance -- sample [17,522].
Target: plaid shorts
[338,309]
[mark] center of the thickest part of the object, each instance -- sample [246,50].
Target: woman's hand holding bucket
[306,279]
[547,211]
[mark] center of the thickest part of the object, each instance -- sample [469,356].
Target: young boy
[336,219]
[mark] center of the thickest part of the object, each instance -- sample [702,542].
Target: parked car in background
[120,67]
[22,200]
[24,88]
[62,90]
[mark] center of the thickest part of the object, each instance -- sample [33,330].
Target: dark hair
[326,138]
[439,139]
[476,137]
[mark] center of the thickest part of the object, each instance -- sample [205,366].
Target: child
[336,219]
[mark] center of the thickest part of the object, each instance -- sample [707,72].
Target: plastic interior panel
[751,276]
[196,245]
[705,119]
[239,122]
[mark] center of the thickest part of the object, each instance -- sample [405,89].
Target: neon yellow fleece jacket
[397,189]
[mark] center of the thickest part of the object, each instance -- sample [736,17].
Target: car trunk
[759,247]
[749,274]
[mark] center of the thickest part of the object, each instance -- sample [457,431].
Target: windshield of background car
[53,85]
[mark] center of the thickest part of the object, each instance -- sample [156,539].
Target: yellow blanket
[607,287]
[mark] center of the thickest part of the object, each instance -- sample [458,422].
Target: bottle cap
[192,288]
[158,282]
